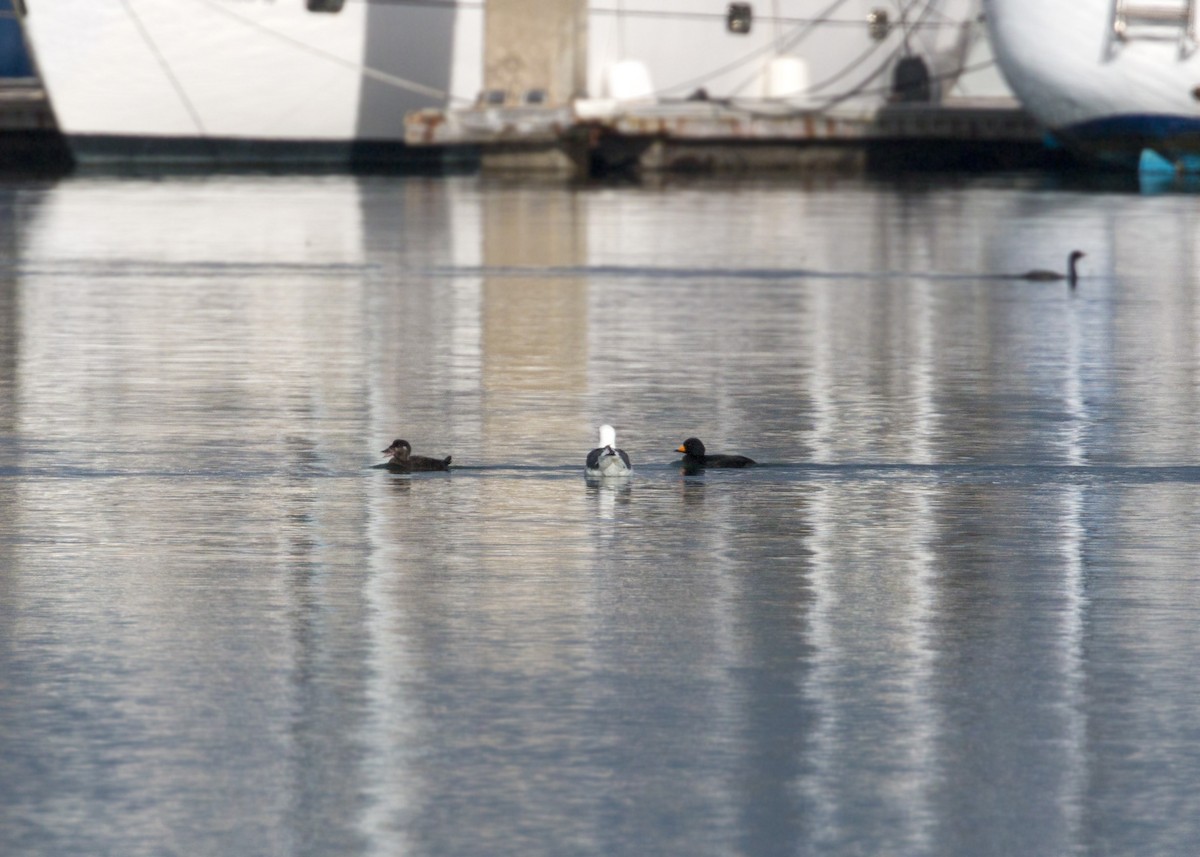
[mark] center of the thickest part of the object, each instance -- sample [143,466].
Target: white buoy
[785,79]
[629,80]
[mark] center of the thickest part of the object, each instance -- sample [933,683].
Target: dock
[591,138]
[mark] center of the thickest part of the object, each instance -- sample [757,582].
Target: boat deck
[29,138]
[24,106]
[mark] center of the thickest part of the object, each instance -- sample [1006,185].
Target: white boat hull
[243,81]
[1104,96]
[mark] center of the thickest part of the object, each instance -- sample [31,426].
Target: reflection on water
[951,613]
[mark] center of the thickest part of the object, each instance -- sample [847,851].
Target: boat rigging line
[749,57]
[144,33]
[806,27]
[365,70]
[907,30]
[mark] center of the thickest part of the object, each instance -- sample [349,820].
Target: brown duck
[403,461]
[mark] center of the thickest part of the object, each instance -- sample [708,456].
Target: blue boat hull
[1122,141]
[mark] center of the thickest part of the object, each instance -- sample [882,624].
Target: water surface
[952,612]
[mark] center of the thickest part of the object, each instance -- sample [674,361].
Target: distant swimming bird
[1049,276]
[694,456]
[606,459]
[403,461]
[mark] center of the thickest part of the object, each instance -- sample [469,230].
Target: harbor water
[953,611]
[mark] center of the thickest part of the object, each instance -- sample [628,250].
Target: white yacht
[1117,80]
[330,81]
